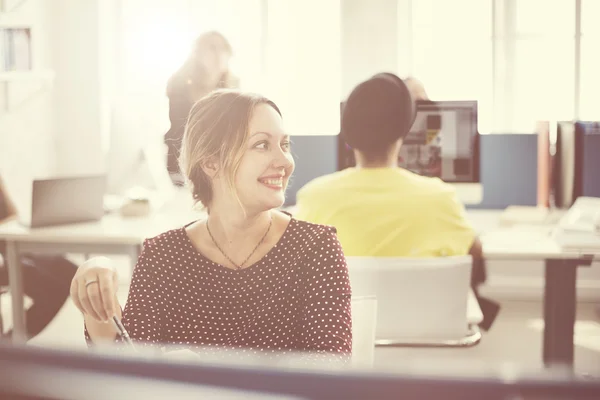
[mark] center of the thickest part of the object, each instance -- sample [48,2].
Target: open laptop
[66,200]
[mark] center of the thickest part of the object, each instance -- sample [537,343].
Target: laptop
[66,200]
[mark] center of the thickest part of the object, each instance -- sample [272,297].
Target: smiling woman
[249,276]
[222,147]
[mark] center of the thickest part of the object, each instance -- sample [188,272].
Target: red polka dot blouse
[297,297]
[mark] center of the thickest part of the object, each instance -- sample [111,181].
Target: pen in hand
[122,331]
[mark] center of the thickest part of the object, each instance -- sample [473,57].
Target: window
[523,60]
[303,64]
[543,69]
[589,107]
[242,22]
[156,37]
[277,44]
[452,52]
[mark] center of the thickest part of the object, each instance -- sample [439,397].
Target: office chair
[421,302]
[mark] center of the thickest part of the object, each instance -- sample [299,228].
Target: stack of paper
[579,229]
[518,215]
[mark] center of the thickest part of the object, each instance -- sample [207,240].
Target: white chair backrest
[417,298]
[364,320]
[474,313]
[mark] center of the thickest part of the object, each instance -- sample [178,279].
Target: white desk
[534,243]
[116,235]
[111,235]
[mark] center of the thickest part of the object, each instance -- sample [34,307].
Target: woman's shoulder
[311,228]
[318,245]
[170,240]
[312,234]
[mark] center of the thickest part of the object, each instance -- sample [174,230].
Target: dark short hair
[378,112]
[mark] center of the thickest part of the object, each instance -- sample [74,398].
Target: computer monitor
[66,200]
[443,142]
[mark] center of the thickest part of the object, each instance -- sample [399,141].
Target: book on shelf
[544,164]
[15,49]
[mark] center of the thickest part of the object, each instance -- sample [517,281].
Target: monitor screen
[443,142]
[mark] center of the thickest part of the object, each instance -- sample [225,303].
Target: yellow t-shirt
[388,212]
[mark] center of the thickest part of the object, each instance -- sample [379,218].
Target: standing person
[206,69]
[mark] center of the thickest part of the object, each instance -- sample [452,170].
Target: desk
[113,234]
[116,235]
[534,243]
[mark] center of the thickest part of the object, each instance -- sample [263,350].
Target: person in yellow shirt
[378,208]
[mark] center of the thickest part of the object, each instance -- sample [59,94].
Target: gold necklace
[239,267]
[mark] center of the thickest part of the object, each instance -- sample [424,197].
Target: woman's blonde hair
[217,132]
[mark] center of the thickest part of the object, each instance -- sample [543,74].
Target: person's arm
[476,250]
[327,318]
[452,225]
[461,238]
[141,317]
[93,291]
[478,275]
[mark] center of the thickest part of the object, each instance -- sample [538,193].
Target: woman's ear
[210,168]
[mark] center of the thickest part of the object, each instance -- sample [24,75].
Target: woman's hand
[94,289]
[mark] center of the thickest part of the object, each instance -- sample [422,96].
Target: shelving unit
[10,18]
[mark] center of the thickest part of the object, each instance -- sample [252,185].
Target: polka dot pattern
[297,297]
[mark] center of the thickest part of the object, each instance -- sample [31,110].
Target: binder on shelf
[15,49]
[568,164]
[544,164]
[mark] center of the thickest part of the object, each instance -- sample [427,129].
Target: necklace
[239,267]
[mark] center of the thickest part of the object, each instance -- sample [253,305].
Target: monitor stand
[469,194]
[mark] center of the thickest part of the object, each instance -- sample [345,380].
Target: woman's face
[267,164]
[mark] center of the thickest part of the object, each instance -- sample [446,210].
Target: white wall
[57,129]
[368,40]
[27,146]
[79,113]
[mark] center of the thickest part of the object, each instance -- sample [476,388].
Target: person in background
[46,279]
[380,209]
[246,277]
[205,69]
